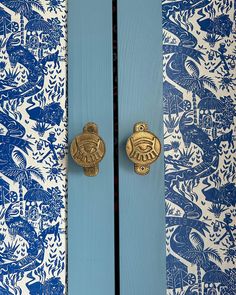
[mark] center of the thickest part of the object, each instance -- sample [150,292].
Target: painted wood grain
[90,209]
[142,210]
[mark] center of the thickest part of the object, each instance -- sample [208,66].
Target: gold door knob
[143,148]
[88,149]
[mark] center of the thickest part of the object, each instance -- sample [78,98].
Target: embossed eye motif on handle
[143,148]
[88,149]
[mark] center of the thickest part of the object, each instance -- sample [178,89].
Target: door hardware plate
[88,149]
[143,148]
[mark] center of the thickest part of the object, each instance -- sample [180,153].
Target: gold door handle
[88,149]
[143,148]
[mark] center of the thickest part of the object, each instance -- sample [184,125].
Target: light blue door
[91,200]
[93,262]
[174,228]
[142,209]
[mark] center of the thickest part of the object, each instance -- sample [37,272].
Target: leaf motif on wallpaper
[206,133]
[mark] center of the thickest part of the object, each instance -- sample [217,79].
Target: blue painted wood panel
[90,209]
[142,210]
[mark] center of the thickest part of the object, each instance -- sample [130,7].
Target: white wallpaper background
[200,152]
[33,147]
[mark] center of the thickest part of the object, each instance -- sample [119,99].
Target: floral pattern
[33,147]
[199,141]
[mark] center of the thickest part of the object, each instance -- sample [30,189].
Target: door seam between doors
[116,147]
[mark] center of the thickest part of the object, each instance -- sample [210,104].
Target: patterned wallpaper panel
[33,147]
[200,152]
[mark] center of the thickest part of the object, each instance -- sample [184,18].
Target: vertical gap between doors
[116,144]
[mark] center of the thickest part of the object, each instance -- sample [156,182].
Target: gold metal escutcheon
[88,149]
[143,148]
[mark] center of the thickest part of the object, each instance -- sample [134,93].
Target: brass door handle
[88,149]
[143,148]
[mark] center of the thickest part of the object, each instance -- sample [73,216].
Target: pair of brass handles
[142,148]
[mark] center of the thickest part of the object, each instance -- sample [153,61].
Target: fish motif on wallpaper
[199,47]
[33,147]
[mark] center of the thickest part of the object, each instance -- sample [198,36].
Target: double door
[117,218]
[139,81]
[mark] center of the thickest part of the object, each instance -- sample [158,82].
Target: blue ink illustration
[200,165]
[33,147]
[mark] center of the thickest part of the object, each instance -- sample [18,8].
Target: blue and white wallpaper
[200,149]
[33,147]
